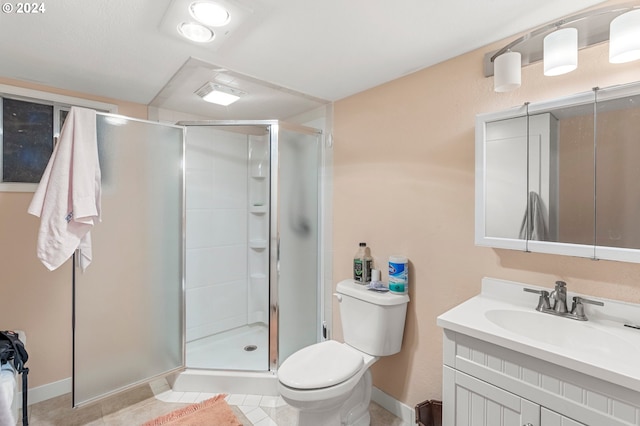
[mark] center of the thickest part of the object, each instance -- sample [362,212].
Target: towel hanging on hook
[68,196]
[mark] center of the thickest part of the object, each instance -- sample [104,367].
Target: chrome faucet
[559,296]
[559,306]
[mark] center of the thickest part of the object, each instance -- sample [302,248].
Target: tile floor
[150,401]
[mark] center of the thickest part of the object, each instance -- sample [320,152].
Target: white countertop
[601,347]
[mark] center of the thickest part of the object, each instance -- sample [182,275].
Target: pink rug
[214,411]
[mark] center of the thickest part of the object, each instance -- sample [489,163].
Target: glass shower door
[128,303]
[298,229]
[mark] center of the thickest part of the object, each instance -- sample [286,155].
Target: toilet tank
[372,322]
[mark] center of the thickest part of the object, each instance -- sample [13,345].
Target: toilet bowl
[330,382]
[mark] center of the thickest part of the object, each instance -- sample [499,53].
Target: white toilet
[330,382]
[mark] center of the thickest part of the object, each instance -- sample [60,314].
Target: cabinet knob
[528,424]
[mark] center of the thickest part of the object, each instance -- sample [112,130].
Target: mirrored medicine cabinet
[562,176]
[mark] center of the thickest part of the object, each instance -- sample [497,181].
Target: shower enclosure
[207,256]
[252,247]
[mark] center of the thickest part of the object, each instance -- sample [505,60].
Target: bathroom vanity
[507,364]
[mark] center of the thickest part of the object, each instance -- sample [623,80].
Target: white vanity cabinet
[489,385]
[550,418]
[479,403]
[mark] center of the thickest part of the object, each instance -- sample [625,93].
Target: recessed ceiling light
[195,32]
[209,13]
[218,94]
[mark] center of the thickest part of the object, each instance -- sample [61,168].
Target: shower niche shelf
[258,209]
[258,244]
[258,227]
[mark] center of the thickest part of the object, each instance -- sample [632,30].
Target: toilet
[330,382]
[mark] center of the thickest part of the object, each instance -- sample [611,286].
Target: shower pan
[206,266]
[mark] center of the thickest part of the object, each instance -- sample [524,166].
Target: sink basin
[504,315]
[561,332]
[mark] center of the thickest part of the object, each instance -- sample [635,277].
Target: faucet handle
[543,301]
[578,308]
[580,299]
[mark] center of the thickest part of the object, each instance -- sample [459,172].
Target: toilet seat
[320,366]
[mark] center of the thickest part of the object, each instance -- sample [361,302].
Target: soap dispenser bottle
[362,263]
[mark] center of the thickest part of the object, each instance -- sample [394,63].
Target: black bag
[12,349]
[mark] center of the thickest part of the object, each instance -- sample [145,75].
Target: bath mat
[214,411]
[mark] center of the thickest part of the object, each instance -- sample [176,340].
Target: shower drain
[250,348]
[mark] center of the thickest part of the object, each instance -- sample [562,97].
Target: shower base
[244,348]
[221,364]
[218,381]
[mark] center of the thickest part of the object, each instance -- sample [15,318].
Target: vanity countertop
[505,315]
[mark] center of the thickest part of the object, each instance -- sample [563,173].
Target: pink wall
[32,298]
[404,183]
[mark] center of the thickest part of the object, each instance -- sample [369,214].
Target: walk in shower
[206,264]
[252,248]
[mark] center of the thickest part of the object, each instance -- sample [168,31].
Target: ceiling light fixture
[624,36]
[195,32]
[218,94]
[208,13]
[560,52]
[507,72]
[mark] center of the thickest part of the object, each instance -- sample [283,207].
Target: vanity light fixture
[557,43]
[210,13]
[560,52]
[507,72]
[195,32]
[624,38]
[218,94]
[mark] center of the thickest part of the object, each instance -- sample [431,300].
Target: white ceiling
[324,49]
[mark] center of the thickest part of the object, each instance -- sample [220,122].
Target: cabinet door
[551,418]
[478,403]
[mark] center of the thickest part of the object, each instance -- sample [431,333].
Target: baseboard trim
[397,408]
[44,392]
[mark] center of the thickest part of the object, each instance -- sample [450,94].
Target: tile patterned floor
[148,402]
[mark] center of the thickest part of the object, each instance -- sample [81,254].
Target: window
[27,140]
[31,121]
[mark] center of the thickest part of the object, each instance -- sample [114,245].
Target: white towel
[67,199]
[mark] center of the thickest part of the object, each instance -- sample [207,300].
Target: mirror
[559,176]
[618,170]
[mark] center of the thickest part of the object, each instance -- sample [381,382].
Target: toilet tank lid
[359,291]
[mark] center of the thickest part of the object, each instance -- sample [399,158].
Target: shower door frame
[274,225]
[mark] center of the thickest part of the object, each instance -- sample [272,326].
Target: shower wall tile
[216,265]
[199,189]
[228,193]
[216,308]
[230,183]
[229,227]
[199,155]
[200,225]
